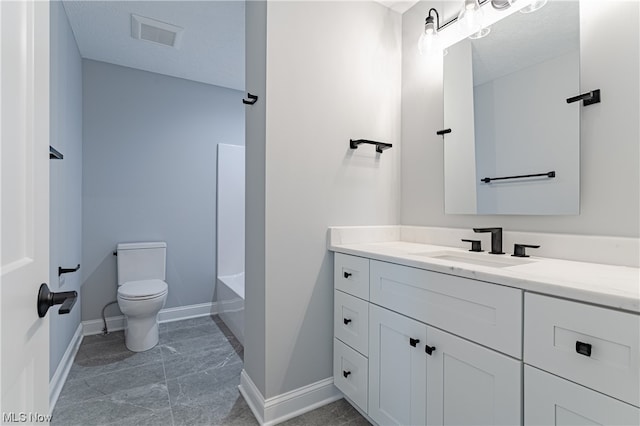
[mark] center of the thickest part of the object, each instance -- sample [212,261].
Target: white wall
[332,73]
[65,217]
[230,210]
[255,205]
[610,177]
[149,161]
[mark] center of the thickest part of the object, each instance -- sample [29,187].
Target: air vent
[155,31]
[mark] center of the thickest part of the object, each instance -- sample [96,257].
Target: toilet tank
[141,261]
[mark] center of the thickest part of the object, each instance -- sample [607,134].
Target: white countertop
[606,285]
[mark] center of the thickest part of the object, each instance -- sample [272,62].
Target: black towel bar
[550,174]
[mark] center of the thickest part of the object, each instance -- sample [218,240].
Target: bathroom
[318,86]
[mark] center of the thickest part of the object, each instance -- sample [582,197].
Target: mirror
[505,103]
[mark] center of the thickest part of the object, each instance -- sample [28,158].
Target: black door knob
[429,349]
[47,299]
[346,373]
[346,321]
[413,342]
[347,274]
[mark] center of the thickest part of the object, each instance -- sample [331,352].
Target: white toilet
[142,291]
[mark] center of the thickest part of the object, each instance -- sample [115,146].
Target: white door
[24,207]
[397,368]
[471,385]
[551,400]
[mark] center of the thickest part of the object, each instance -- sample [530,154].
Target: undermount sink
[481,259]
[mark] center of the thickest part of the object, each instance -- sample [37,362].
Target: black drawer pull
[346,373]
[583,348]
[429,349]
[413,342]
[346,320]
[347,274]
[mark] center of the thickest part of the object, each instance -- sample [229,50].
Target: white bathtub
[230,297]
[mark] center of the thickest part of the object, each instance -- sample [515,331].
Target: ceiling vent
[155,31]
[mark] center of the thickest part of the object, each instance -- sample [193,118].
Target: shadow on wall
[101,286]
[310,347]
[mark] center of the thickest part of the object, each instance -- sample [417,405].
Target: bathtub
[230,291]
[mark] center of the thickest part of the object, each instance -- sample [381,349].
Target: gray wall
[149,160]
[325,84]
[609,174]
[255,170]
[65,241]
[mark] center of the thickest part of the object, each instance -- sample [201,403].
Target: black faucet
[496,239]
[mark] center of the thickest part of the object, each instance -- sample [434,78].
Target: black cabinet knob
[346,320]
[347,274]
[346,373]
[583,348]
[429,349]
[413,342]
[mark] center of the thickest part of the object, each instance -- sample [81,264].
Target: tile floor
[190,378]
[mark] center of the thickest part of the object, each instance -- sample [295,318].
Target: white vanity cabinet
[593,355]
[419,370]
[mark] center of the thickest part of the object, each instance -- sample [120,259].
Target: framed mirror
[514,146]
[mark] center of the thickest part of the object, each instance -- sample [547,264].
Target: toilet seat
[142,290]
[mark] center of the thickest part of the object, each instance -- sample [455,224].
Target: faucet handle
[518,249]
[475,245]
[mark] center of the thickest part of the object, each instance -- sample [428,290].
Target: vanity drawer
[556,330]
[351,321]
[486,313]
[350,373]
[551,400]
[351,275]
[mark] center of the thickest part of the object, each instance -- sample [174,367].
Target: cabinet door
[468,384]
[397,370]
[551,400]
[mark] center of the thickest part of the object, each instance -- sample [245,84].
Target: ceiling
[211,51]
[212,48]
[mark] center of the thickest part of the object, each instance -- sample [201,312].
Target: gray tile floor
[190,378]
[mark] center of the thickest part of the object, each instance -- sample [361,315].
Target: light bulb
[470,17]
[482,33]
[533,6]
[429,42]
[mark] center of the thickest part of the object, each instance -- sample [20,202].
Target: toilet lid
[142,289]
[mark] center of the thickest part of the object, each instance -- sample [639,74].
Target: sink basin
[481,259]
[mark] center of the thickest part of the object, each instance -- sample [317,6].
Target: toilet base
[141,334]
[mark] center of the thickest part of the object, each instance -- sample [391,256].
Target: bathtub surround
[324,85]
[609,181]
[65,191]
[150,171]
[230,233]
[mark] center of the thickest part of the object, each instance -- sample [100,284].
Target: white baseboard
[116,323]
[283,407]
[186,312]
[60,376]
[91,327]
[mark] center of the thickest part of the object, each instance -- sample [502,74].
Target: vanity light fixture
[470,17]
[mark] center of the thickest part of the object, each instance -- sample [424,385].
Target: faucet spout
[496,239]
